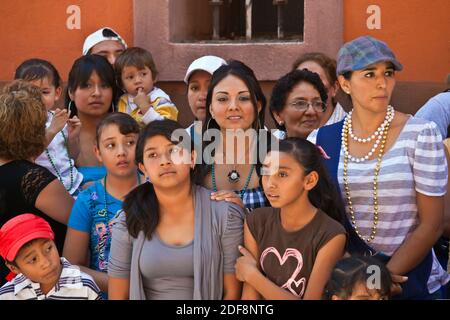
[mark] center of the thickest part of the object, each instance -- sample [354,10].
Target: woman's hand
[227,195]
[74,128]
[396,288]
[246,265]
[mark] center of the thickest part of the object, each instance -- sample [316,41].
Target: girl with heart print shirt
[291,248]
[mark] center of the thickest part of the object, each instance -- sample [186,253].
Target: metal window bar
[216,18]
[248,18]
[280,21]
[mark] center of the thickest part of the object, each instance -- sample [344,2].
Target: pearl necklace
[377,133]
[347,156]
[347,125]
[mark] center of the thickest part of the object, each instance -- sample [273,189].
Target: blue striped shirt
[73,284]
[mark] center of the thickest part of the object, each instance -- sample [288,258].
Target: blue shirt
[437,109]
[92,173]
[88,215]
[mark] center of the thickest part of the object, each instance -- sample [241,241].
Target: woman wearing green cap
[391,171]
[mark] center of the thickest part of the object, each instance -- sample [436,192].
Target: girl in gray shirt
[171,241]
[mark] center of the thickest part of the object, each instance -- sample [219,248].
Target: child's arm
[73,129]
[58,122]
[231,237]
[325,261]
[76,250]
[119,265]
[248,292]
[118,288]
[156,107]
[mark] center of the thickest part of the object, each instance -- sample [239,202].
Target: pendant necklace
[104,211]
[241,192]
[234,176]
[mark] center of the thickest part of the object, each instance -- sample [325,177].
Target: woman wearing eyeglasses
[298,103]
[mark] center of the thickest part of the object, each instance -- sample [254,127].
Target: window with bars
[237,20]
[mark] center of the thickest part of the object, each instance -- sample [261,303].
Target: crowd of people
[111,198]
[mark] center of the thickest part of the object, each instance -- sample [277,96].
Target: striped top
[414,163]
[73,284]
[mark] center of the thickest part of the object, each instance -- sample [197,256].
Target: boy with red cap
[26,245]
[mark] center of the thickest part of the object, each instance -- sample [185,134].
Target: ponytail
[141,210]
[324,194]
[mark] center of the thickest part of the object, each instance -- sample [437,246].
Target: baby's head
[359,278]
[135,71]
[43,74]
[26,245]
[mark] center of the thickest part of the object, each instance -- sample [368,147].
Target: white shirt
[61,159]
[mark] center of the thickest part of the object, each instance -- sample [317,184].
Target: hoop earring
[69,107]
[207,125]
[113,107]
[258,124]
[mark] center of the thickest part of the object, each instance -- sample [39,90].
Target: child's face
[40,262]
[134,79]
[117,151]
[95,98]
[197,91]
[50,94]
[361,292]
[166,164]
[284,180]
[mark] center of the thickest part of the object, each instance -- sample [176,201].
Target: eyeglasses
[303,105]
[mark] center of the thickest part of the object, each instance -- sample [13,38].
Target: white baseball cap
[100,35]
[205,63]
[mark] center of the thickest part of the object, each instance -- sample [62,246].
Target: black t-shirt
[21,182]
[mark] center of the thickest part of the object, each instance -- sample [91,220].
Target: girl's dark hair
[352,270]
[126,124]
[323,195]
[141,204]
[37,69]
[243,72]
[283,87]
[82,70]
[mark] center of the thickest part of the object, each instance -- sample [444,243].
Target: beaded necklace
[58,174]
[242,192]
[104,211]
[345,137]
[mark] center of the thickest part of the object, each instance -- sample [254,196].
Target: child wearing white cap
[105,42]
[198,76]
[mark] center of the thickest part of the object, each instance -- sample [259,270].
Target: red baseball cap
[21,229]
